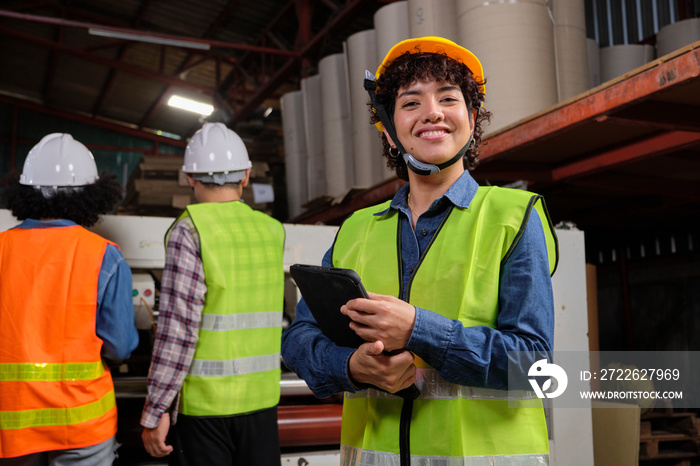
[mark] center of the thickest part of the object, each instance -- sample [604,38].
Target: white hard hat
[59,160]
[215,149]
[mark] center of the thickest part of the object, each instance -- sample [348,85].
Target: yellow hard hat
[433,44]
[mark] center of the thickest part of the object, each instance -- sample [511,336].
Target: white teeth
[432,133]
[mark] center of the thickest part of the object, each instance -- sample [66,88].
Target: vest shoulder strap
[498,198]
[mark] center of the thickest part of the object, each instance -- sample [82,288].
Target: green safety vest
[236,365]
[458,277]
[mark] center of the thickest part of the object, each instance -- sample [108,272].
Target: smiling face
[432,120]
[419,69]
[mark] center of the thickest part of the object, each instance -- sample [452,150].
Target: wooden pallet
[157,186]
[669,436]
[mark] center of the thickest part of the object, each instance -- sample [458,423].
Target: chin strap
[426,169]
[414,165]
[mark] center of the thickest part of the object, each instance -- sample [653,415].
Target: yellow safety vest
[458,277]
[236,366]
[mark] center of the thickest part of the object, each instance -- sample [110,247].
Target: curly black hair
[411,67]
[83,204]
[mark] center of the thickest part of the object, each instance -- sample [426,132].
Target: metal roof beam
[662,115]
[634,152]
[188,59]
[350,11]
[234,75]
[147,34]
[53,64]
[92,121]
[686,190]
[109,82]
[335,214]
[511,171]
[103,60]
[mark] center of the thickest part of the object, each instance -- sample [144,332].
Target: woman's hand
[381,318]
[371,365]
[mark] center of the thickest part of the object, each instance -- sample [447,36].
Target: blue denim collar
[31,223]
[460,194]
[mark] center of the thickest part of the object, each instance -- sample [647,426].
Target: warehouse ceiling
[239,56]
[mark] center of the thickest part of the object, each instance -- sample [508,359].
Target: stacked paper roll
[593,62]
[391,24]
[571,48]
[336,124]
[677,35]
[515,43]
[313,128]
[369,164]
[292,105]
[433,18]
[617,60]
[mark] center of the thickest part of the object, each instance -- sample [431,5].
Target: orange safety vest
[55,391]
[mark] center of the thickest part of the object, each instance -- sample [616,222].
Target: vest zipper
[405,433]
[407,406]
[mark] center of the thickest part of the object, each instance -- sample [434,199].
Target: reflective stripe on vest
[434,387]
[223,323]
[236,365]
[357,457]
[475,422]
[266,362]
[10,420]
[50,372]
[55,392]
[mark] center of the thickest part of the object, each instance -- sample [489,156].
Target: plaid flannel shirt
[180,312]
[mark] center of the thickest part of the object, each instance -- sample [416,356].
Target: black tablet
[325,290]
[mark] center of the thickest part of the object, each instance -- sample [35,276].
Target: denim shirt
[115,322]
[475,356]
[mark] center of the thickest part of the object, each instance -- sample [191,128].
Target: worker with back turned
[65,304]
[215,372]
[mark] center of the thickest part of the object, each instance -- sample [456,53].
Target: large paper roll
[571,48]
[433,18]
[337,127]
[294,135]
[515,43]
[369,164]
[593,62]
[620,59]
[313,126]
[677,35]
[391,24]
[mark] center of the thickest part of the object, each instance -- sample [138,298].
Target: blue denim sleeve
[322,364]
[116,324]
[478,356]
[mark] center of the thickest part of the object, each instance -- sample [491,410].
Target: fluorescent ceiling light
[148,38]
[191,105]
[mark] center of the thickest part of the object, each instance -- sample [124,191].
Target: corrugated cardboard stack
[154,187]
[158,186]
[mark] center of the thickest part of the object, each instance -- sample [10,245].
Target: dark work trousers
[243,440]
